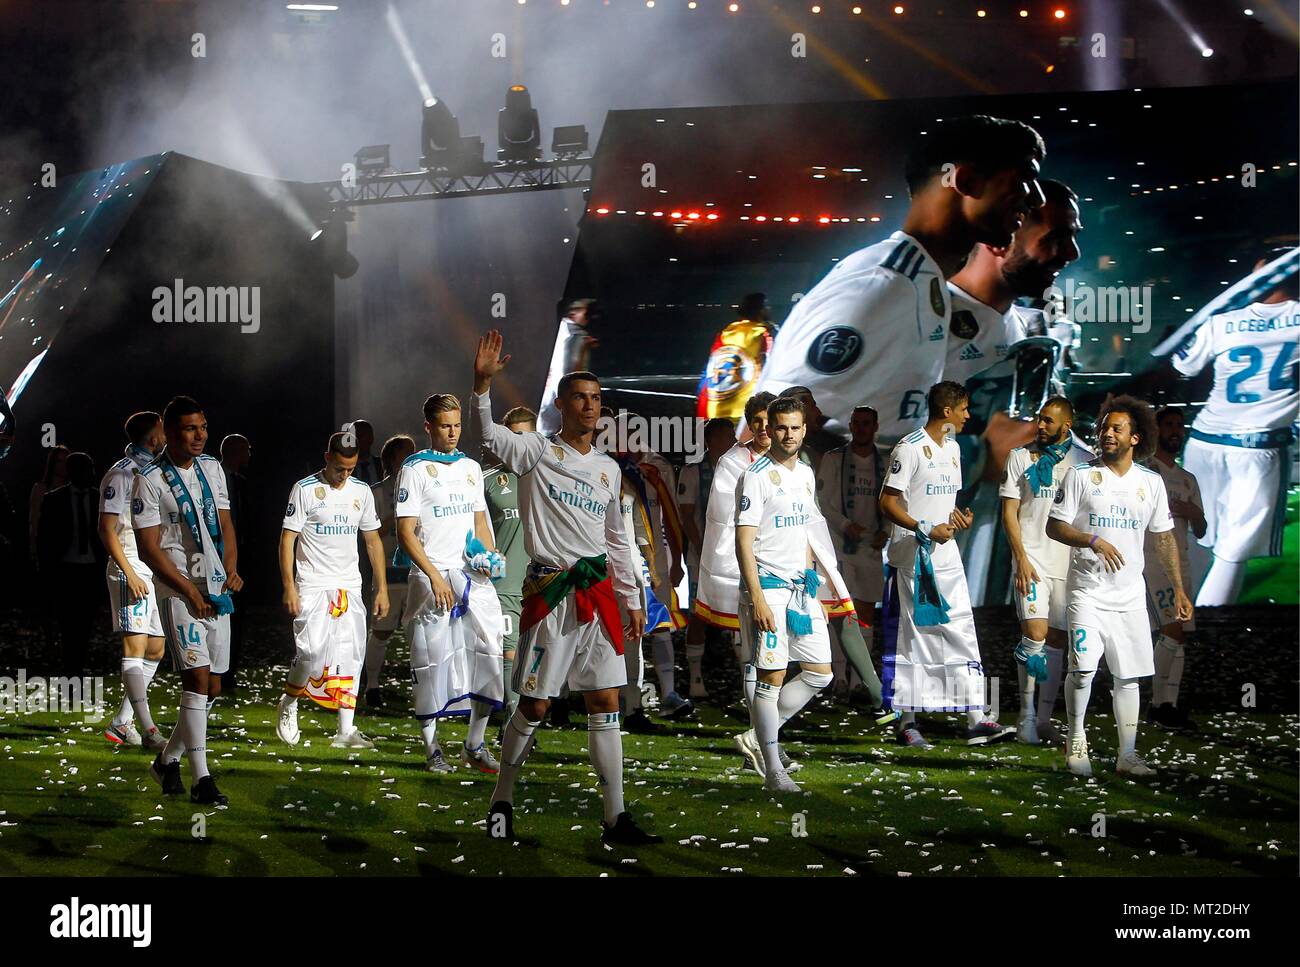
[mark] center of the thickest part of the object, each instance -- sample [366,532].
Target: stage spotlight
[898,9]
[569,141]
[373,159]
[1059,13]
[519,138]
[331,240]
[439,134]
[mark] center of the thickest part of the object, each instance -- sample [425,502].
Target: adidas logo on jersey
[970,352]
[936,334]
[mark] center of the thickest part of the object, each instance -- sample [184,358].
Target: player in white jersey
[131,595]
[1039,565]
[1102,510]
[781,618]
[931,660]
[874,330]
[322,590]
[571,630]
[180,510]
[985,321]
[1188,513]
[1240,446]
[694,489]
[454,621]
[384,493]
[572,348]
[718,589]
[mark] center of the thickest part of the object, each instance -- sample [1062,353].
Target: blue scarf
[401,559]
[213,548]
[928,605]
[797,619]
[139,456]
[1039,472]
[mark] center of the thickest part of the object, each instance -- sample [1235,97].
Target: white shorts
[1161,605]
[1244,493]
[329,637]
[195,642]
[935,668]
[560,650]
[454,660]
[1124,637]
[396,617]
[1046,599]
[774,650]
[131,617]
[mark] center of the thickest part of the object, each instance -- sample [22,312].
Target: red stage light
[824,219]
[676,214]
[793,218]
[693,215]
[760,218]
[712,216]
[602,211]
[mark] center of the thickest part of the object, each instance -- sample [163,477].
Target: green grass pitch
[73,805]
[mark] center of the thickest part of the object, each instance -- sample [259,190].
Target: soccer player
[1239,449]
[694,485]
[931,660]
[718,591]
[986,322]
[1185,506]
[319,541]
[781,618]
[501,491]
[736,360]
[393,454]
[573,346]
[131,595]
[848,487]
[570,629]
[971,179]
[1039,565]
[454,621]
[180,511]
[1101,511]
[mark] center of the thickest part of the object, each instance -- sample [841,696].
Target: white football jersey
[115,492]
[722,496]
[1179,485]
[154,505]
[568,501]
[873,331]
[1254,355]
[781,503]
[847,489]
[1048,555]
[979,336]
[1096,500]
[928,475]
[327,520]
[445,497]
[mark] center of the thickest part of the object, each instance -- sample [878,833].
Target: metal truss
[427,184]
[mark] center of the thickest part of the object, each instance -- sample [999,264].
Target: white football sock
[605,742]
[429,733]
[376,649]
[765,718]
[661,645]
[515,746]
[133,678]
[695,662]
[479,713]
[1169,670]
[798,692]
[124,713]
[906,720]
[298,675]
[193,725]
[1027,647]
[1125,701]
[974,716]
[1077,692]
[346,715]
[1222,584]
[1049,689]
[748,683]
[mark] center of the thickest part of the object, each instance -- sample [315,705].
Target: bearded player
[570,631]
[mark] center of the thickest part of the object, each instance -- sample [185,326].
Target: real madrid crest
[808,487]
[1095,476]
[469,479]
[559,454]
[773,476]
[604,479]
[320,493]
[503,481]
[1142,494]
[431,470]
[356,504]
